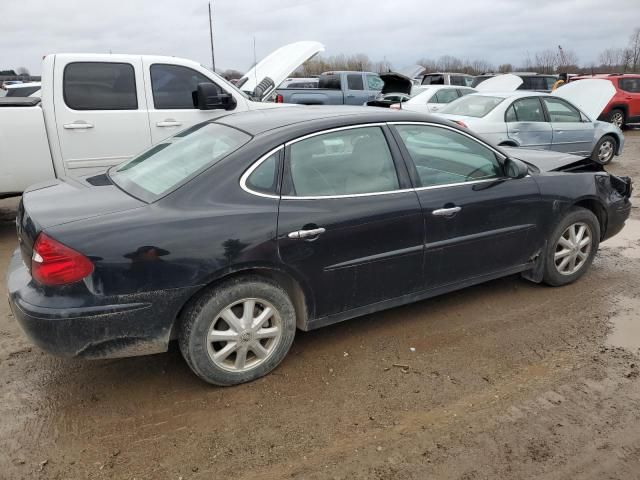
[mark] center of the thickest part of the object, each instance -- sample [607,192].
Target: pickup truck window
[173,86]
[100,86]
[330,80]
[176,160]
[354,81]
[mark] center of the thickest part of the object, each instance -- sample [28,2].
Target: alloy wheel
[617,119]
[606,150]
[244,335]
[573,248]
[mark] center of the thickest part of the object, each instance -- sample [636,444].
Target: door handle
[168,123]
[78,125]
[446,212]
[306,233]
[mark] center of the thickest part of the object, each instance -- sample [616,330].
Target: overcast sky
[499,31]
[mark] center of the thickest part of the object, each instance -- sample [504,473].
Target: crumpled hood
[544,160]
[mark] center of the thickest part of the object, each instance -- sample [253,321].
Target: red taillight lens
[53,263]
[461,123]
[279,99]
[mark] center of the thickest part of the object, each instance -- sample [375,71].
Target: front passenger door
[478,223]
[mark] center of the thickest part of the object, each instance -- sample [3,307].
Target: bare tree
[546,61]
[505,68]
[634,50]
[22,71]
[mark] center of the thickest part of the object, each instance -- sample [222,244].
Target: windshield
[472,105]
[169,164]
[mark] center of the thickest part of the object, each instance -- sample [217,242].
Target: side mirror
[209,97]
[515,168]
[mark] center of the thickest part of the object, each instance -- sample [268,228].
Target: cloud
[498,31]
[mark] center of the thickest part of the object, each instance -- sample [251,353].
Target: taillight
[461,123]
[53,263]
[279,98]
[395,106]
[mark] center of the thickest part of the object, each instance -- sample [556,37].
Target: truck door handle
[169,122]
[306,233]
[78,125]
[446,212]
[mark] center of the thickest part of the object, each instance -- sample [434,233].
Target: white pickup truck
[98,110]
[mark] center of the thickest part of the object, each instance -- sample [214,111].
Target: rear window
[433,80]
[166,166]
[473,105]
[100,86]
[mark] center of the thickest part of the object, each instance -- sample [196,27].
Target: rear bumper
[91,326]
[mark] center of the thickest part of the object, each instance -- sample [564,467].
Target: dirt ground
[508,380]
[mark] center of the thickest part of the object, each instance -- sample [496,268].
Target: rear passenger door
[348,223]
[355,94]
[170,90]
[527,124]
[100,111]
[572,133]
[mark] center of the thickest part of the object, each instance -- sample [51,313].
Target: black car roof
[256,122]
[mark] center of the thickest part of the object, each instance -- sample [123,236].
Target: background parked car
[624,107]
[31,89]
[6,83]
[335,88]
[538,120]
[433,97]
[444,78]
[530,80]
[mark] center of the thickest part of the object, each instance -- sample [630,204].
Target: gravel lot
[508,380]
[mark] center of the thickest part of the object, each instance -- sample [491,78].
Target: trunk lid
[396,83]
[65,200]
[272,70]
[500,83]
[589,95]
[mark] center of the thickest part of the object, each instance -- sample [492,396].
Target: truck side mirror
[210,97]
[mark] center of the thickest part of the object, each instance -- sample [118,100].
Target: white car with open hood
[98,110]
[563,121]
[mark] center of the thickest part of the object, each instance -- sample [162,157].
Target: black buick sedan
[234,233]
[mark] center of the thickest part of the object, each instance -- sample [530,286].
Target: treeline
[551,60]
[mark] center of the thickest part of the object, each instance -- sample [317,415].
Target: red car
[624,107]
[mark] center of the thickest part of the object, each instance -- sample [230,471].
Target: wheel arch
[597,208]
[300,295]
[508,143]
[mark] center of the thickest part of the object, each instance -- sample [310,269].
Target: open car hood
[411,71]
[500,83]
[589,95]
[396,83]
[272,70]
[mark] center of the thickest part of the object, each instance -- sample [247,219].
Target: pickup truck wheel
[238,331]
[604,150]
[616,116]
[571,247]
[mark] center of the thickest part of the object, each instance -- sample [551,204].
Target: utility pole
[213,58]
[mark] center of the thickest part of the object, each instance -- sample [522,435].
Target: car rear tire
[604,150]
[237,331]
[617,117]
[571,247]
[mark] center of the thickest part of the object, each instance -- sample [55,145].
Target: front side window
[100,86]
[374,82]
[442,156]
[176,160]
[561,112]
[345,162]
[473,106]
[446,95]
[525,110]
[354,82]
[174,86]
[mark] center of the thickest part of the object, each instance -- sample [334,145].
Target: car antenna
[255,61]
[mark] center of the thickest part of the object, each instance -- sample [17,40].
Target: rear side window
[525,110]
[354,82]
[346,162]
[330,80]
[175,86]
[631,85]
[100,86]
[442,156]
[561,112]
[264,178]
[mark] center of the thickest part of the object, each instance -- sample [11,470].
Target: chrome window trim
[352,195]
[331,130]
[457,184]
[251,169]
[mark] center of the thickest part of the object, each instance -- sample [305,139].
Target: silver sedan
[536,120]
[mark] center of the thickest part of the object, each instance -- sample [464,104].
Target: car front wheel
[571,247]
[238,331]
[604,150]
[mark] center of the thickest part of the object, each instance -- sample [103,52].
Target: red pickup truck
[624,107]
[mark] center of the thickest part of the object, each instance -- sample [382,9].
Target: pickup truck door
[169,89]
[100,112]
[354,93]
